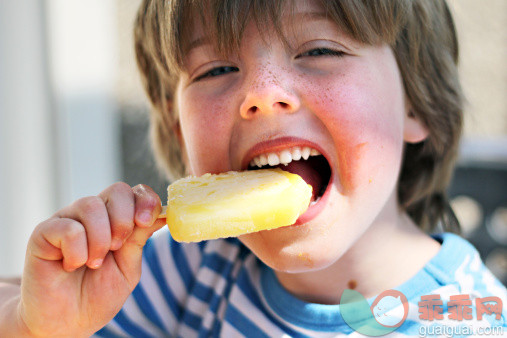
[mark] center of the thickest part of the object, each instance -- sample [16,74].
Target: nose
[267,94]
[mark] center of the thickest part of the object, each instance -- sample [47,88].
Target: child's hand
[83,262]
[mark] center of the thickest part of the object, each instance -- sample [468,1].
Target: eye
[321,52]
[217,71]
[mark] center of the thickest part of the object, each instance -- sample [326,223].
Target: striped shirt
[220,288]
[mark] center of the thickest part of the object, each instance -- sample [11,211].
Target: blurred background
[73,117]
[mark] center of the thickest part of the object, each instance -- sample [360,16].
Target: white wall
[27,180]
[58,121]
[83,63]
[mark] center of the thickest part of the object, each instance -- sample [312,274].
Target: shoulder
[457,287]
[458,263]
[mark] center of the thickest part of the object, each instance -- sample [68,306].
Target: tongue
[308,173]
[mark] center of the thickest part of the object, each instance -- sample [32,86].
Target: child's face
[326,91]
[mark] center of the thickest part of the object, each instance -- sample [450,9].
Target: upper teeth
[285,156]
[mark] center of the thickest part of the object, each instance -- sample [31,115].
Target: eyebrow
[312,16]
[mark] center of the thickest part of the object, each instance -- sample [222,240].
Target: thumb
[128,257]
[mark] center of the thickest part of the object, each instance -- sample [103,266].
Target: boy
[369,89]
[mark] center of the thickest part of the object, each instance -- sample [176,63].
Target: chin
[297,262]
[296,252]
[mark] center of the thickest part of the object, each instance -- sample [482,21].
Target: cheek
[366,126]
[205,124]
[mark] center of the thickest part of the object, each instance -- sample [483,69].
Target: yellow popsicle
[234,203]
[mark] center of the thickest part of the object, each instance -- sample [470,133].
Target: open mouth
[308,163]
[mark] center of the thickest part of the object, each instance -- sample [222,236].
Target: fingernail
[145,217]
[96,263]
[116,243]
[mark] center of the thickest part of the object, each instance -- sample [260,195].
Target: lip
[279,144]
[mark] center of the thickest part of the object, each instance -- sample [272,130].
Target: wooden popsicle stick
[163,212]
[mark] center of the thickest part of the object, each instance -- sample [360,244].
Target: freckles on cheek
[205,129]
[362,138]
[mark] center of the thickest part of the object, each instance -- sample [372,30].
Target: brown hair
[420,32]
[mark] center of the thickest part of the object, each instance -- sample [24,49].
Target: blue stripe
[217,323]
[192,320]
[203,292]
[207,295]
[214,303]
[181,262]
[202,245]
[233,240]
[223,267]
[242,323]
[245,285]
[128,326]
[204,333]
[146,307]
[225,297]
[156,270]
[217,263]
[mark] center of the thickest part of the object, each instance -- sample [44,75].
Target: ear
[415,130]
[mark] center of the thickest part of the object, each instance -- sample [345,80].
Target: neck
[388,254]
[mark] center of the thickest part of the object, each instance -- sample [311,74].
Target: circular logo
[390,308]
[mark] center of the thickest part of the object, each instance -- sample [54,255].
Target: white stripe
[171,273]
[156,298]
[223,248]
[215,282]
[212,280]
[193,255]
[196,306]
[476,263]
[135,315]
[249,310]
[494,288]
[185,331]
[208,320]
[229,331]
[465,280]
[114,327]
[221,310]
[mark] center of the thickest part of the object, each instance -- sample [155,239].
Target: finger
[60,238]
[119,200]
[129,256]
[147,205]
[91,212]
